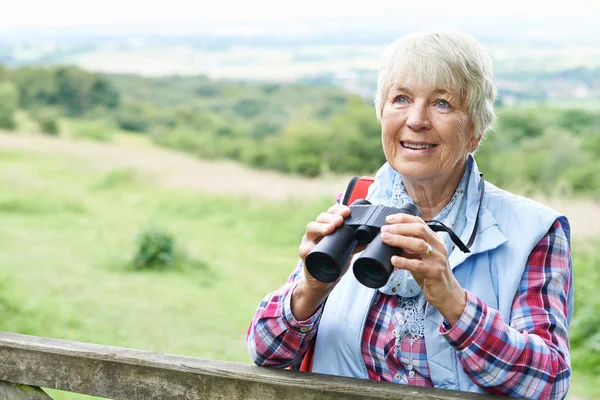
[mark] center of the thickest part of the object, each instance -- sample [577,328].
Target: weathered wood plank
[13,391]
[119,373]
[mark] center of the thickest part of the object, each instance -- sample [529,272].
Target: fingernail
[389,218]
[385,228]
[386,235]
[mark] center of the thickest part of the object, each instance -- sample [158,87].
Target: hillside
[73,213]
[174,169]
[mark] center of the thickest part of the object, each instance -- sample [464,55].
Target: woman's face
[426,133]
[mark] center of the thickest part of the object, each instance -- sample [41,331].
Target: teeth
[417,146]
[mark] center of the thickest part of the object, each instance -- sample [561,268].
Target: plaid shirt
[529,357]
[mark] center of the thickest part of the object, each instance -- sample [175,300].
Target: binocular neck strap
[437,226]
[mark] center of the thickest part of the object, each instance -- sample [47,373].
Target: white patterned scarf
[453,215]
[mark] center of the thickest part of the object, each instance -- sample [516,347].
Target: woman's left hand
[425,256]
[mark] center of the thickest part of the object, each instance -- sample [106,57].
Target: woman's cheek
[390,147]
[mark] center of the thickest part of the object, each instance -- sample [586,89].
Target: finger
[305,248]
[415,266]
[403,218]
[417,230]
[316,230]
[339,209]
[412,245]
[327,218]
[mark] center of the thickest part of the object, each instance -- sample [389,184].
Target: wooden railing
[29,362]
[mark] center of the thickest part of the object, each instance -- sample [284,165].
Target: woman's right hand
[310,293]
[325,224]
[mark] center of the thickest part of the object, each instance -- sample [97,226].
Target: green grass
[69,235]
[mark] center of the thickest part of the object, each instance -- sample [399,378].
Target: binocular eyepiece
[373,268]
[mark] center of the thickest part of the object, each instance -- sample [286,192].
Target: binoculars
[373,268]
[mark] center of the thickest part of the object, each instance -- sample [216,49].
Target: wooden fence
[28,363]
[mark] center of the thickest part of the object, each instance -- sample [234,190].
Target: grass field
[69,234]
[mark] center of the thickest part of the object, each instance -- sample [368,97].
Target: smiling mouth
[415,146]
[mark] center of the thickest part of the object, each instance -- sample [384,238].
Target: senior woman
[494,319]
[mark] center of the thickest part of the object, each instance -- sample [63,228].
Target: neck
[432,195]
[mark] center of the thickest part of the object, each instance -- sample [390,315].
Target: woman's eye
[443,104]
[400,100]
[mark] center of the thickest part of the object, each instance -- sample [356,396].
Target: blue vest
[509,228]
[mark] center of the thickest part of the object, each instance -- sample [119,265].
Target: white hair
[446,59]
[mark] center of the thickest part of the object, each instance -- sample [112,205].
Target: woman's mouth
[417,146]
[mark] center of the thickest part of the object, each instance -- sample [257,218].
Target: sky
[19,14]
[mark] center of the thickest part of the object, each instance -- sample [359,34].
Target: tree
[80,91]
[37,87]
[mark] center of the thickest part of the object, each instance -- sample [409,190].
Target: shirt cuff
[468,326]
[302,327]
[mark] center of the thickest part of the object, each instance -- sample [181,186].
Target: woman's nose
[418,118]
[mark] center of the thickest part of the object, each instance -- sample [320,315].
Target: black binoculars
[373,268]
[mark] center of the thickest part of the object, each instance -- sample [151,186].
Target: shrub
[155,249]
[50,127]
[48,122]
[134,117]
[7,120]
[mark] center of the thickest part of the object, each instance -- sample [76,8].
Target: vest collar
[488,236]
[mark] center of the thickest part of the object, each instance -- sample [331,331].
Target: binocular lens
[370,273]
[323,267]
[329,256]
[373,268]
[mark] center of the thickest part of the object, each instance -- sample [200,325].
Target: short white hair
[446,59]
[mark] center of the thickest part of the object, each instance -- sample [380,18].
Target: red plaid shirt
[527,356]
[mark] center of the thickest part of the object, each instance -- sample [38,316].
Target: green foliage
[79,91]
[544,156]
[579,120]
[9,102]
[37,86]
[155,249]
[248,107]
[585,328]
[133,117]
[48,121]
[72,88]
[300,129]
[520,124]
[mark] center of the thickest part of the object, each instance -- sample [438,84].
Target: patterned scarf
[453,215]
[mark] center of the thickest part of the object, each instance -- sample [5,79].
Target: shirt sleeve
[530,357]
[275,338]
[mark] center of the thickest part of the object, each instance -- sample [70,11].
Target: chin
[411,169]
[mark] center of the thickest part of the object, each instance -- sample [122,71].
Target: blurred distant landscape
[533,60]
[120,136]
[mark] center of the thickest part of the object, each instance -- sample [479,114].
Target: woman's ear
[474,143]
